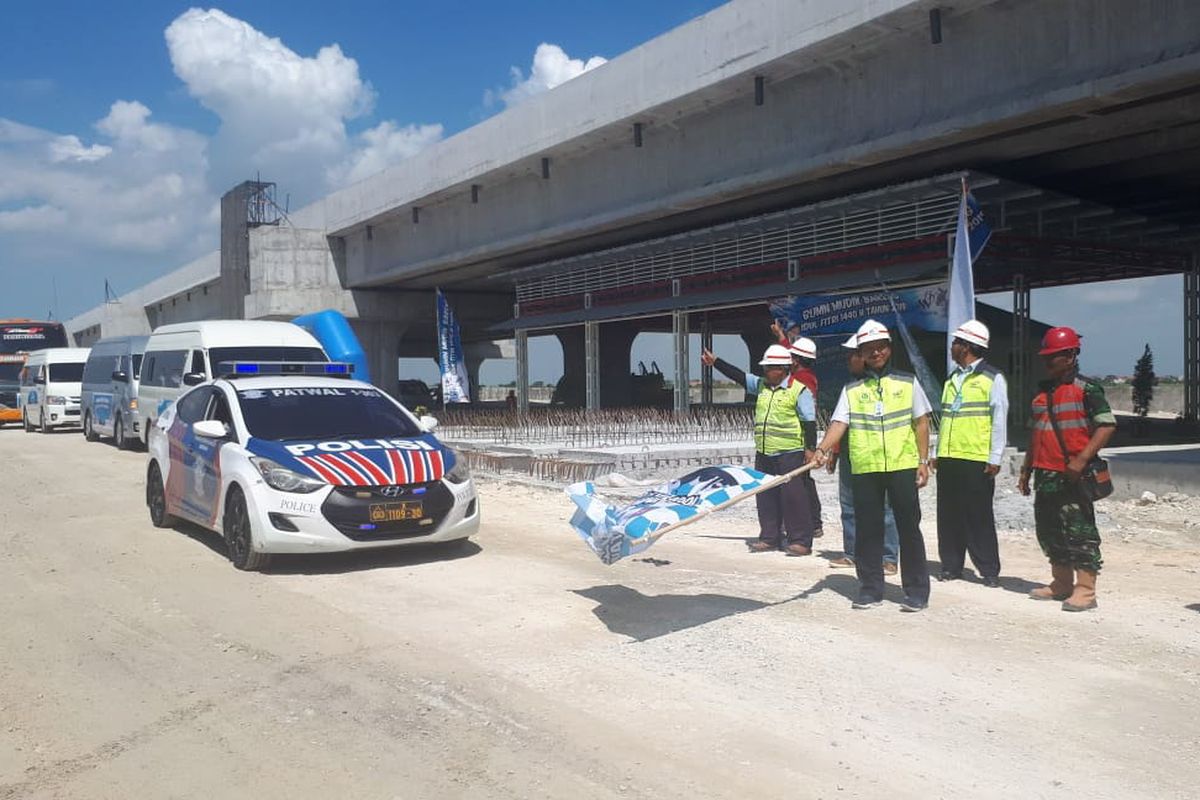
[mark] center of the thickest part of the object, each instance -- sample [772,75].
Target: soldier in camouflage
[1056,460]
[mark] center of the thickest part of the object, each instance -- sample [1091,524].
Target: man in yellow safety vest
[887,415]
[971,440]
[785,423]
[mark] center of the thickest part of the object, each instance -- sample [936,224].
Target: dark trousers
[871,490]
[814,500]
[786,507]
[965,517]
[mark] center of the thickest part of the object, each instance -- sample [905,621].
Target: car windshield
[323,412]
[217,355]
[67,373]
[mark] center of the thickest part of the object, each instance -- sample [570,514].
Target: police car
[300,458]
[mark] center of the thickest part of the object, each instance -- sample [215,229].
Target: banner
[971,234]
[455,386]
[614,533]
[922,307]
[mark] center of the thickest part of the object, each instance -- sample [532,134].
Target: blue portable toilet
[333,331]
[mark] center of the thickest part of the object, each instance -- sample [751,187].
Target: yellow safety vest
[777,426]
[881,416]
[966,430]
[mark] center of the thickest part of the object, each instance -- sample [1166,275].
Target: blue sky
[122,123]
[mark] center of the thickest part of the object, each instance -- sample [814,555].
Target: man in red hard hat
[1072,421]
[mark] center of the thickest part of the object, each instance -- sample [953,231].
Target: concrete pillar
[572,388]
[706,372]
[591,364]
[1191,341]
[616,380]
[473,363]
[1021,382]
[381,342]
[522,355]
[679,334]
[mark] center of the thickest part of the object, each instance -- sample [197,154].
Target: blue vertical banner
[455,386]
[961,305]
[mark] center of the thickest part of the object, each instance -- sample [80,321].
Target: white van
[50,387]
[110,384]
[184,354]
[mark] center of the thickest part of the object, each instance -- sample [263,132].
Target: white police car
[292,458]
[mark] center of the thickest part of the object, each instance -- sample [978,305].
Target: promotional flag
[961,306]
[455,386]
[616,532]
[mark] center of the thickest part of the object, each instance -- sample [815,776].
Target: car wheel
[25,422]
[89,432]
[238,537]
[156,498]
[119,434]
[42,417]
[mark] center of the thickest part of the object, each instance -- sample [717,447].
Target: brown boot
[1059,588]
[1084,596]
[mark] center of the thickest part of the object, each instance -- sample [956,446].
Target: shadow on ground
[1193,607]
[630,613]
[336,563]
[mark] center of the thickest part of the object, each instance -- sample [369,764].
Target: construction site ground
[138,663]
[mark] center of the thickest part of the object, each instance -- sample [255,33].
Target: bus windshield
[19,337]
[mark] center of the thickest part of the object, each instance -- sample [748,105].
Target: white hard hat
[872,331]
[851,343]
[973,331]
[776,356]
[804,347]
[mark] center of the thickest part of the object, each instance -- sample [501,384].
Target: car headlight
[56,400]
[461,472]
[284,479]
[133,404]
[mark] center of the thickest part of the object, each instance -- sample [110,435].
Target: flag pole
[771,484]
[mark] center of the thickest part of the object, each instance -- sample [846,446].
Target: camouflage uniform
[1064,516]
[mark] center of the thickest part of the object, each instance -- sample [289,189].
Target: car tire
[156,498]
[119,434]
[89,432]
[42,418]
[239,537]
[25,422]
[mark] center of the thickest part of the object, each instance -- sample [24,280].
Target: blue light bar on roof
[233,369]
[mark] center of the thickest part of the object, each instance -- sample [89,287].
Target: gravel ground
[138,663]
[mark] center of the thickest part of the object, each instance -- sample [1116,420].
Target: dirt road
[136,662]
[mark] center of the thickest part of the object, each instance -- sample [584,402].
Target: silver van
[108,400]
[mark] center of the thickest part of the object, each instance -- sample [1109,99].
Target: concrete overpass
[755,109]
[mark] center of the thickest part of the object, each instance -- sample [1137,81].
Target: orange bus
[19,338]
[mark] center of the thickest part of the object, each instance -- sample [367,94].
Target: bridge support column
[679,334]
[571,388]
[706,373]
[1191,341]
[522,358]
[591,364]
[1021,360]
[381,342]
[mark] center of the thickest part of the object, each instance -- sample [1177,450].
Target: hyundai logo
[391,491]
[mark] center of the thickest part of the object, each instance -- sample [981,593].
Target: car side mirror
[210,429]
[428,423]
[193,379]
[120,377]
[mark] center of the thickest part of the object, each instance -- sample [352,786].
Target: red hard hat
[1058,339]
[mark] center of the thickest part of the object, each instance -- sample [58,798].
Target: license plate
[392,512]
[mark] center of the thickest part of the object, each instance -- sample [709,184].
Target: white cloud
[69,148]
[551,67]
[380,147]
[32,219]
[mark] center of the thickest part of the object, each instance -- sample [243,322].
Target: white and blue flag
[455,386]
[971,235]
[616,532]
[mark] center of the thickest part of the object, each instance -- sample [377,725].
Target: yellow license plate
[393,512]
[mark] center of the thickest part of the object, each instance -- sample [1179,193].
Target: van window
[99,368]
[137,365]
[26,376]
[66,372]
[198,364]
[191,407]
[166,368]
